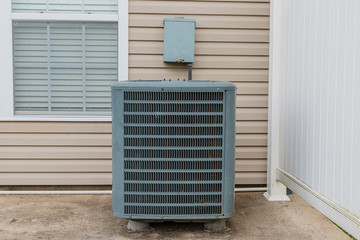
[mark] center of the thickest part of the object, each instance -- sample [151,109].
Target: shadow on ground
[90,217]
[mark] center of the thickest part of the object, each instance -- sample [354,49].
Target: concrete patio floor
[90,217]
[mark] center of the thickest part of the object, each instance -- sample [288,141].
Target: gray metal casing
[227,160]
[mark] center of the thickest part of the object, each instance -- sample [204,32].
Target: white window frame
[6,56]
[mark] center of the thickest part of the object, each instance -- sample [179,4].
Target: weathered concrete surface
[90,217]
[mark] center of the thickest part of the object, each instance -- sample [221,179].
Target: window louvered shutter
[62,66]
[65,6]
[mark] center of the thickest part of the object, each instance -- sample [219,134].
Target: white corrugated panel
[64,66]
[320,131]
[65,6]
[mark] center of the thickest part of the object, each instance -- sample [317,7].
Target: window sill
[55,118]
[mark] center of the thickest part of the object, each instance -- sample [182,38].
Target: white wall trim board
[6,63]
[123,40]
[276,191]
[73,17]
[333,211]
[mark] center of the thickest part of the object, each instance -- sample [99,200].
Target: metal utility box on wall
[179,40]
[173,149]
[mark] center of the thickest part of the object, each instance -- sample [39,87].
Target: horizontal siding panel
[250,178]
[97,178]
[218,21]
[251,114]
[250,152]
[233,75]
[251,88]
[204,35]
[81,127]
[55,179]
[198,8]
[251,127]
[204,48]
[156,74]
[250,166]
[95,165]
[54,152]
[251,140]
[156,61]
[32,139]
[55,127]
[63,165]
[252,101]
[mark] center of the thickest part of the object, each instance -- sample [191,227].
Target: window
[65,55]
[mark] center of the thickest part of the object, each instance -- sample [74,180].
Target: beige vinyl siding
[232,44]
[55,153]
[79,153]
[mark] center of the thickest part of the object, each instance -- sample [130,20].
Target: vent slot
[172,176]
[172,107]
[173,96]
[181,131]
[169,199]
[175,164]
[173,210]
[172,187]
[173,142]
[172,153]
[173,119]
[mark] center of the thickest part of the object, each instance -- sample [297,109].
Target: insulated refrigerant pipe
[96,192]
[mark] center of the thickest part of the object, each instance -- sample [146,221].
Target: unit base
[218,225]
[138,226]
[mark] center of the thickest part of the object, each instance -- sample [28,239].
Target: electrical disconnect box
[179,40]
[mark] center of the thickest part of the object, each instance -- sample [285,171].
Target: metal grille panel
[173,142]
[173,96]
[173,119]
[173,152]
[180,131]
[172,210]
[173,187]
[169,199]
[174,164]
[173,176]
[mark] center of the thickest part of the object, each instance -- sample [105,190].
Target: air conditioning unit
[173,150]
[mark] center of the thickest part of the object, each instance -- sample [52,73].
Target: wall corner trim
[123,40]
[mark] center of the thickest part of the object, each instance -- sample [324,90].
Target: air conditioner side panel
[117,152]
[229,151]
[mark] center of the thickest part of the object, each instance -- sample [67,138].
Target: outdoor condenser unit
[173,150]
